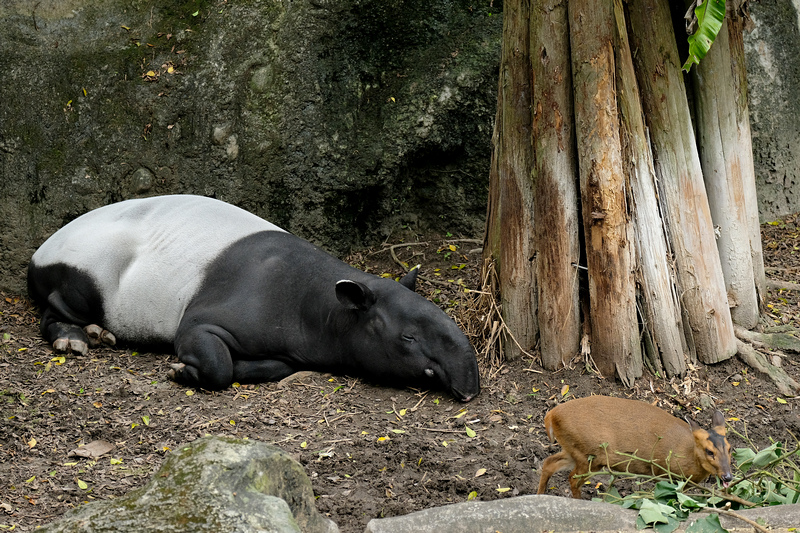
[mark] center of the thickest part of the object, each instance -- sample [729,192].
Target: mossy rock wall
[772,52]
[341,121]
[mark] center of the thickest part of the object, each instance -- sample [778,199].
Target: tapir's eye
[408,338]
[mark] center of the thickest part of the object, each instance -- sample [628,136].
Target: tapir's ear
[409,281]
[354,295]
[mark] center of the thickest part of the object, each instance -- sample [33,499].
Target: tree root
[405,267]
[779,284]
[773,341]
[786,385]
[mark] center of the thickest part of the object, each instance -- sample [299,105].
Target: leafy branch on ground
[770,476]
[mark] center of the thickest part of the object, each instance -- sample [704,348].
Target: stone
[214,484]
[141,181]
[525,514]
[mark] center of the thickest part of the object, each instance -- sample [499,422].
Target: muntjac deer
[603,427]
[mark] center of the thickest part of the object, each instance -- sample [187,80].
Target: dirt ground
[369,451]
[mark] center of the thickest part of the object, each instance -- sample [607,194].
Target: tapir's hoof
[98,336]
[176,369]
[66,345]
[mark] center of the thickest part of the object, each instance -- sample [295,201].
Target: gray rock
[141,181]
[510,515]
[213,484]
[551,513]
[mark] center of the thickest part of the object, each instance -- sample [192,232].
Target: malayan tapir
[240,299]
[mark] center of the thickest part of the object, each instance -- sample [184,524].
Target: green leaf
[471,432]
[654,513]
[743,458]
[664,490]
[146,420]
[687,502]
[82,484]
[744,489]
[708,524]
[613,494]
[671,525]
[767,455]
[710,15]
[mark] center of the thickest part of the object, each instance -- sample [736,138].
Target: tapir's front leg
[260,371]
[205,357]
[207,362]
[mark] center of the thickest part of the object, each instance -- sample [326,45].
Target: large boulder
[213,485]
[340,121]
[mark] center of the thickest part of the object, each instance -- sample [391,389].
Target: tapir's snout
[463,397]
[465,382]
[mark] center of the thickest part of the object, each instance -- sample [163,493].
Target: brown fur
[583,425]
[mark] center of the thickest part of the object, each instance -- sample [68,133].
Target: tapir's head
[397,336]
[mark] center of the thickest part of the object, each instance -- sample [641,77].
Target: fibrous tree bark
[653,271]
[555,204]
[509,222]
[723,130]
[701,288]
[658,302]
[608,236]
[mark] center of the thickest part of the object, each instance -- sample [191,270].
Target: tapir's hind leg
[65,337]
[68,326]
